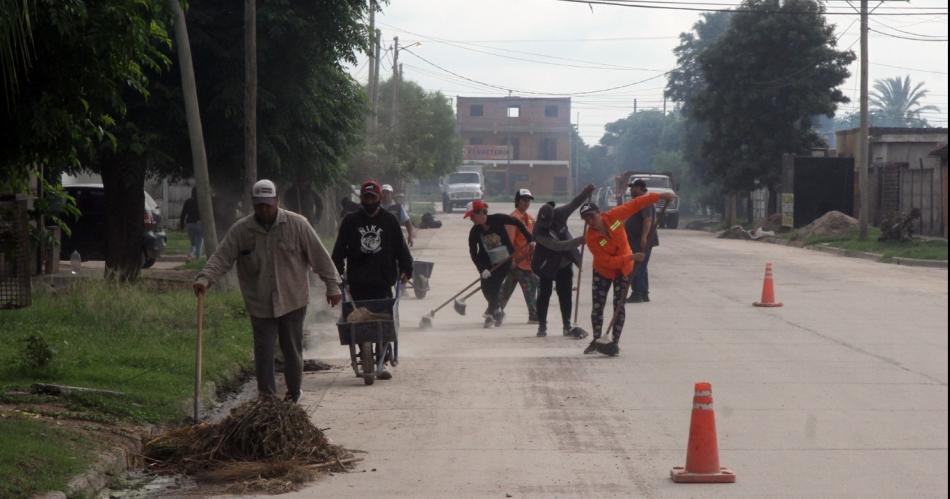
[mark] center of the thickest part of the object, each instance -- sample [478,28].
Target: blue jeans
[195,239]
[640,281]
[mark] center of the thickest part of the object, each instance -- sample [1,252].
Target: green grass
[924,249]
[36,457]
[178,243]
[129,339]
[195,265]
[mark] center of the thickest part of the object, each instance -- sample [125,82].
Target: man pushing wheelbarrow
[371,253]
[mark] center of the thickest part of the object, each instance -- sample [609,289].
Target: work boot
[384,374]
[542,330]
[499,316]
[591,348]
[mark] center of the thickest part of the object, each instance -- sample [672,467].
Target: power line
[685,7]
[565,94]
[907,37]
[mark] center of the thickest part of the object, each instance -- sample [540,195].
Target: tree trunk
[250,101]
[123,183]
[729,212]
[195,134]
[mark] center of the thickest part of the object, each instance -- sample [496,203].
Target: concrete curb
[108,463]
[873,257]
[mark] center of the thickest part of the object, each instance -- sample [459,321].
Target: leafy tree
[686,81]
[639,137]
[765,79]
[896,104]
[424,143]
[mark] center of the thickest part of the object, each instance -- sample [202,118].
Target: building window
[515,148]
[475,141]
[476,110]
[514,111]
[548,149]
[550,111]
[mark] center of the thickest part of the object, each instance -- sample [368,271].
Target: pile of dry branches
[263,445]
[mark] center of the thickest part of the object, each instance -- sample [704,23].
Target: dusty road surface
[841,393]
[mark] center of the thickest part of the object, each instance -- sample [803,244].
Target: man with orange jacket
[613,259]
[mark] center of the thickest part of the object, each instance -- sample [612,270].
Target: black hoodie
[373,249]
[556,247]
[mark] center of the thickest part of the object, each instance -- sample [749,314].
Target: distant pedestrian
[490,247]
[274,250]
[521,273]
[613,259]
[642,239]
[554,257]
[389,204]
[190,221]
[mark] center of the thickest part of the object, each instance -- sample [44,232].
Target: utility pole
[577,164]
[250,100]
[664,104]
[375,101]
[862,154]
[371,82]
[634,106]
[394,111]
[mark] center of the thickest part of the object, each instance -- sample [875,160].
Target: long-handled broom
[198,352]
[460,304]
[577,331]
[426,321]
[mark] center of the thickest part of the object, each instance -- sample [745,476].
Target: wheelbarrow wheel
[369,365]
[420,286]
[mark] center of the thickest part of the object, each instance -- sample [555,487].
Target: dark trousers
[529,287]
[640,280]
[600,289]
[287,330]
[491,288]
[562,283]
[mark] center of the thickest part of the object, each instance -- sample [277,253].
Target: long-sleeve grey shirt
[272,264]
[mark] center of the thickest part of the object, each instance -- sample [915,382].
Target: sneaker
[533,319]
[635,299]
[645,298]
[542,331]
[488,322]
[384,374]
[591,348]
[577,333]
[499,316]
[292,398]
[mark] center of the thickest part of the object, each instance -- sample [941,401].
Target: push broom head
[426,322]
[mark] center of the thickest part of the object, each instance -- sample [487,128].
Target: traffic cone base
[767,305]
[680,475]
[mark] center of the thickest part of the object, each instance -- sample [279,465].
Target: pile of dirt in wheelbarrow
[265,445]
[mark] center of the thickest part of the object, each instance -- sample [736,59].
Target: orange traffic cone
[768,290]
[702,455]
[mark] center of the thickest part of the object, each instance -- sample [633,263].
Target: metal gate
[917,191]
[14,254]
[822,185]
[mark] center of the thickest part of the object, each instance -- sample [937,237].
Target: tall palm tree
[897,103]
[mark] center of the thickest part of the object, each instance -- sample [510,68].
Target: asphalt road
[840,393]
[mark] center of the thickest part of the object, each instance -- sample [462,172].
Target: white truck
[656,182]
[461,188]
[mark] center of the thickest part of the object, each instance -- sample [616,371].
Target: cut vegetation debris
[265,445]
[831,225]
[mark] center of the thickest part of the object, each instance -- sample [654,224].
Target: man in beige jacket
[273,249]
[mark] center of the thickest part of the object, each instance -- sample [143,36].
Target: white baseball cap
[387,187]
[523,193]
[264,192]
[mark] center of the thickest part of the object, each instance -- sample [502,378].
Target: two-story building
[519,142]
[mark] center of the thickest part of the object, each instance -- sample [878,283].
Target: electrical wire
[620,3]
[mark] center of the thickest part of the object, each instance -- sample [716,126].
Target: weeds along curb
[873,257]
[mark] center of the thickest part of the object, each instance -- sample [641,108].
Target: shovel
[198,355]
[426,321]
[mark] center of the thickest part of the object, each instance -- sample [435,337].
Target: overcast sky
[547,46]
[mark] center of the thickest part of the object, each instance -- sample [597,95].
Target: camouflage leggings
[600,289]
[529,286]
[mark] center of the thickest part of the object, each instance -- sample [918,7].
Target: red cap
[477,205]
[370,187]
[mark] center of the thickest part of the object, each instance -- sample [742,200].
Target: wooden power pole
[250,100]
[861,156]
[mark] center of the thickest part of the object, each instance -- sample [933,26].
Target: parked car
[461,188]
[89,229]
[656,182]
